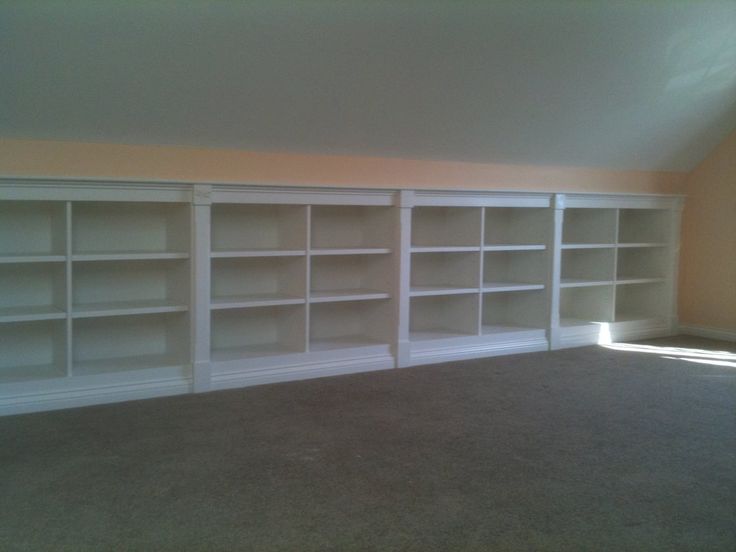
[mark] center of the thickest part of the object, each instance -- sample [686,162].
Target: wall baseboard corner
[713,333]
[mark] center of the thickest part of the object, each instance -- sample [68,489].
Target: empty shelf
[124,364]
[351,251]
[438,333]
[587,245]
[623,280]
[30,373]
[578,282]
[494,329]
[252,351]
[258,253]
[515,247]
[129,256]
[424,291]
[122,308]
[642,244]
[445,249]
[343,342]
[9,259]
[255,300]
[490,287]
[571,322]
[330,296]
[31,313]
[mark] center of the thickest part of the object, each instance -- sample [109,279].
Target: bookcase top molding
[25,188]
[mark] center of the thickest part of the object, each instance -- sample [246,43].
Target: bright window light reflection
[698,356]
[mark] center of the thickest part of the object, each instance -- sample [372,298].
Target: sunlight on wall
[604,334]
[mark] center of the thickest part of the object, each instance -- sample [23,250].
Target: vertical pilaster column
[402,256]
[200,288]
[674,261]
[553,279]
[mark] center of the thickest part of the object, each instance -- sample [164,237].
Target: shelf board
[496,329]
[251,351]
[232,254]
[31,373]
[31,313]
[582,282]
[572,322]
[350,251]
[255,300]
[446,289]
[623,280]
[637,317]
[492,287]
[642,244]
[588,245]
[343,342]
[124,364]
[129,256]
[515,247]
[445,249]
[15,259]
[438,333]
[331,296]
[124,308]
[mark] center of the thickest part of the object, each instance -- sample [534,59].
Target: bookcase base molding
[115,291]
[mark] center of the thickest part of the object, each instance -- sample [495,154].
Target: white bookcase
[617,268]
[478,271]
[114,290]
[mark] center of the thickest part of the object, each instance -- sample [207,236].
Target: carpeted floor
[583,449]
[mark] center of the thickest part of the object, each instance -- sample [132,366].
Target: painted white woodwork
[117,291]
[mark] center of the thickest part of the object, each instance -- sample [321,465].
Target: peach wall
[708,255]
[70,159]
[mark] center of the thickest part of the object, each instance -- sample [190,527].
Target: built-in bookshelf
[115,291]
[617,269]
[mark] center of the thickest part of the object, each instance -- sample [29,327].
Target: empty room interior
[320,275]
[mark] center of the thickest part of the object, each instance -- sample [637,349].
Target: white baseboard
[712,333]
[55,400]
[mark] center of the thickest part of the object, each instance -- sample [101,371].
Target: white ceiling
[647,84]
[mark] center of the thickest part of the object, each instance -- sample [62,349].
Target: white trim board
[704,331]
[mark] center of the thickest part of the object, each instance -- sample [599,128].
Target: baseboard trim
[704,331]
[74,398]
[464,352]
[302,371]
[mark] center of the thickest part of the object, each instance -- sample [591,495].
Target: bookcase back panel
[259,276]
[120,281]
[31,344]
[367,320]
[280,327]
[445,269]
[253,227]
[130,227]
[588,264]
[588,304]
[446,226]
[515,266]
[641,301]
[451,314]
[515,225]
[643,226]
[349,226]
[516,308]
[642,262]
[131,336]
[32,285]
[32,228]
[345,272]
[582,225]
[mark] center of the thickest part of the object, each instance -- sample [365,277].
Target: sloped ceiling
[646,84]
